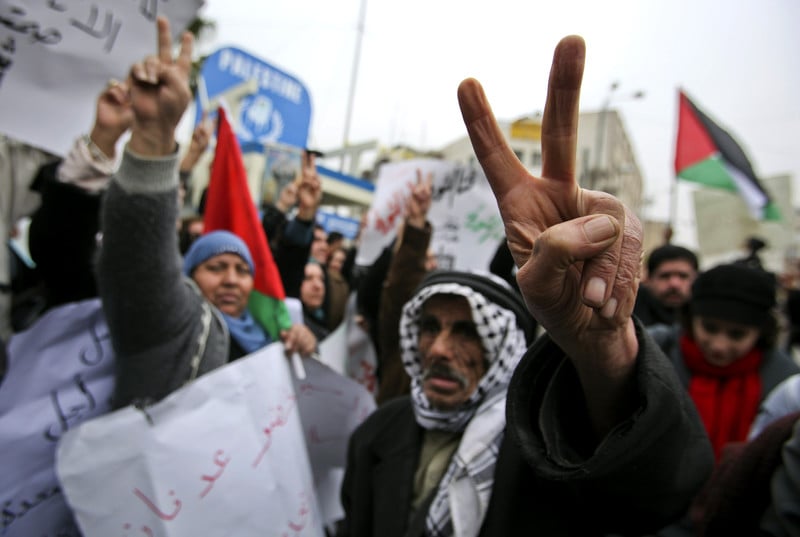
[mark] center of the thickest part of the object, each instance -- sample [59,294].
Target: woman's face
[336,261]
[312,290]
[226,281]
[723,342]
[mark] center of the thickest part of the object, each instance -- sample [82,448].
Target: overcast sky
[739,61]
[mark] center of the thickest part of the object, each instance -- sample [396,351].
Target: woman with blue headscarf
[222,267]
[171,322]
[167,329]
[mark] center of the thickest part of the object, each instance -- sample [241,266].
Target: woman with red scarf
[725,352]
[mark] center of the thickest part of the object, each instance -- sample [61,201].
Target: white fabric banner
[331,407]
[467,227]
[224,455]
[57,55]
[60,374]
[348,350]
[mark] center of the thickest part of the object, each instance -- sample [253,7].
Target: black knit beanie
[734,293]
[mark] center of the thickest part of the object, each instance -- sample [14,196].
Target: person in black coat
[667,286]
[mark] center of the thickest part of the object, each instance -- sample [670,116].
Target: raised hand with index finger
[309,188]
[113,117]
[418,202]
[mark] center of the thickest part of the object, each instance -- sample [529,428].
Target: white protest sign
[60,374]
[331,407]
[57,55]
[348,350]
[467,227]
[224,455]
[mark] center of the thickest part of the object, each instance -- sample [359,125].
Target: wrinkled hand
[299,338]
[418,202]
[578,251]
[309,189]
[201,136]
[113,116]
[159,94]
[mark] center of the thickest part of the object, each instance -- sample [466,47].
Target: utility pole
[353,79]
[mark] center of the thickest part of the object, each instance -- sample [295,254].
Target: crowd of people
[575,391]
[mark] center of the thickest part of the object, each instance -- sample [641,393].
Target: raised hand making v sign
[171,320]
[160,93]
[578,251]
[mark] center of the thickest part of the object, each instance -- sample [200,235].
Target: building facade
[605,156]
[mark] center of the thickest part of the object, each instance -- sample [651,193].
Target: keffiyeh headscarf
[467,483]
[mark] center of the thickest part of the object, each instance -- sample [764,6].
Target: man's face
[671,282]
[453,362]
[226,281]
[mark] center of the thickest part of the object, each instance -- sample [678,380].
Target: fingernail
[599,229]
[595,290]
[609,309]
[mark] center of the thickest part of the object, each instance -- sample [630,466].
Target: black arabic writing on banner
[19,26]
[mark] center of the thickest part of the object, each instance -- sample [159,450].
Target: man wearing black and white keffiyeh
[439,462]
[587,432]
[479,420]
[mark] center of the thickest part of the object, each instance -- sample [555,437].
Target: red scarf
[727,398]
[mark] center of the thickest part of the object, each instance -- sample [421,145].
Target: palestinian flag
[706,154]
[230,207]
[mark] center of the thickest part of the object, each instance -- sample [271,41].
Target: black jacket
[549,478]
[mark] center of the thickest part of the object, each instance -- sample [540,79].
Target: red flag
[230,206]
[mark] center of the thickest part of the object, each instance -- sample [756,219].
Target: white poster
[331,407]
[224,455]
[56,56]
[348,350]
[466,223]
[60,374]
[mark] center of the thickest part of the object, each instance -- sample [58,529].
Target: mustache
[442,370]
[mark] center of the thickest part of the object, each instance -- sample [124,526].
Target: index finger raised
[501,165]
[164,40]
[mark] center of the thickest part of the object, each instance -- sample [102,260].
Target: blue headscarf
[245,330]
[213,244]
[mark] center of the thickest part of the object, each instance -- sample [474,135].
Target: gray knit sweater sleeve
[162,329]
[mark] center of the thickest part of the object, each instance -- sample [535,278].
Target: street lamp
[601,129]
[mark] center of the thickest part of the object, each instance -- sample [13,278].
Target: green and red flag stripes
[706,154]
[230,207]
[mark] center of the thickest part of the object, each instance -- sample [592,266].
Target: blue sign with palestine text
[267,105]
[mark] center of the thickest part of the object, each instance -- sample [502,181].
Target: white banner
[348,350]
[60,374]
[57,55]
[224,455]
[331,407]
[467,227]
